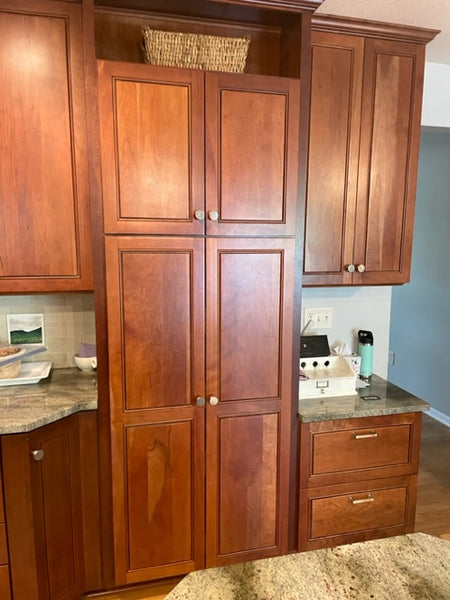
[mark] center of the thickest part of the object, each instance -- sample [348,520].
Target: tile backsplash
[69,319]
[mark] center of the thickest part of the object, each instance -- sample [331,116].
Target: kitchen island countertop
[412,566]
[389,399]
[63,393]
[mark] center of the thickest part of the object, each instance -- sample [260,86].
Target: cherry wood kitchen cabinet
[358,479]
[44,197]
[201,177]
[185,151]
[5,587]
[168,406]
[44,502]
[366,98]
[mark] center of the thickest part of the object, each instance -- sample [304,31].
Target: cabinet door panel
[156,338]
[159,463]
[251,154]
[61,538]
[248,459]
[333,157]
[155,294]
[249,337]
[44,196]
[389,154]
[42,505]
[152,148]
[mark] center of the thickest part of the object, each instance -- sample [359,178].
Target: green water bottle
[365,350]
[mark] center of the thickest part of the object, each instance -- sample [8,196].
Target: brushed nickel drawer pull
[364,436]
[369,498]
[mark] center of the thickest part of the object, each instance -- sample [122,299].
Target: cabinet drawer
[5,588]
[3,545]
[358,512]
[361,448]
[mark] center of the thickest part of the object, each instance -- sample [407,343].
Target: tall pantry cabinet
[200,194]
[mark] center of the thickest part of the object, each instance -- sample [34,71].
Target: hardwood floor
[433,499]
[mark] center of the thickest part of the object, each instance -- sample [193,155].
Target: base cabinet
[358,479]
[5,587]
[43,508]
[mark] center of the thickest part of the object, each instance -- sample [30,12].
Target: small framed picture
[26,329]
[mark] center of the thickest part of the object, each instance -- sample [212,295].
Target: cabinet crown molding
[388,31]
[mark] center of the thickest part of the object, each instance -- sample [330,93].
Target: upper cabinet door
[44,196]
[335,117]
[390,131]
[152,148]
[363,151]
[252,139]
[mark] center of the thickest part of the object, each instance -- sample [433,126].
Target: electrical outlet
[318,318]
[391,357]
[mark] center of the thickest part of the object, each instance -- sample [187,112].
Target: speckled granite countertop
[392,400]
[63,393]
[413,566]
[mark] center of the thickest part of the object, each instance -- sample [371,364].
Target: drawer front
[3,545]
[5,588]
[353,512]
[361,448]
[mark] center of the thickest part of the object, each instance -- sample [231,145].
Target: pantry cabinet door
[155,295]
[390,129]
[45,243]
[252,140]
[335,116]
[249,397]
[151,121]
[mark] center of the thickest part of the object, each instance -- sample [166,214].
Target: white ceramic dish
[30,372]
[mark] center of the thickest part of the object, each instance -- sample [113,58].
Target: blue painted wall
[420,310]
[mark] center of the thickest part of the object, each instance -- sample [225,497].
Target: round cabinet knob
[199,215]
[361,268]
[214,401]
[37,454]
[200,401]
[351,268]
[213,215]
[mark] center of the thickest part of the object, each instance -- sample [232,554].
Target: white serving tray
[30,372]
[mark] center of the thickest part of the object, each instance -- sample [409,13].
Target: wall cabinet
[366,97]
[358,479]
[188,152]
[44,197]
[44,501]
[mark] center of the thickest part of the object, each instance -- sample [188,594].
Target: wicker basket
[195,51]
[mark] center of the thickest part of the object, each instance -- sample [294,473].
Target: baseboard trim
[439,416]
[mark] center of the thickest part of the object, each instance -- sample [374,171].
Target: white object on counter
[326,376]
[31,372]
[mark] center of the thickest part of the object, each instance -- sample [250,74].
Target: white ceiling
[431,14]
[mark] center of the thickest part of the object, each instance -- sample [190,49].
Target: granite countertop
[63,393]
[412,566]
[391,400]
